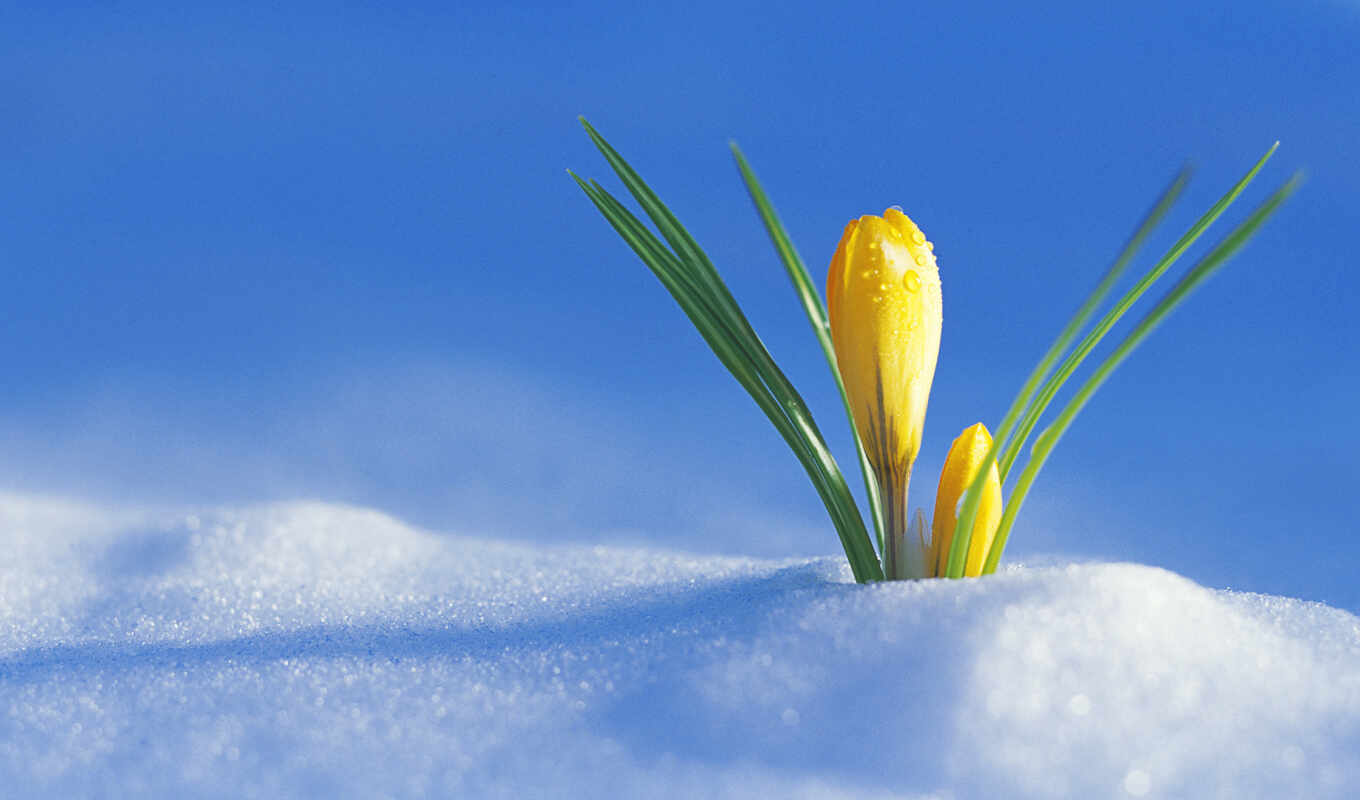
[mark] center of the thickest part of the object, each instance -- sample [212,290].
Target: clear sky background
[309,252]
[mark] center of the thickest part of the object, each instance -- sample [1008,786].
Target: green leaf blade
[973,495]
[815,310]
[1214,260]
[1038,404]
[694,284]
[1121,307]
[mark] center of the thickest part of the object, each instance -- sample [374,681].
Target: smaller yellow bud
[960,468]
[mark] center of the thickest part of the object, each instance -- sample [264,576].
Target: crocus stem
[893,491]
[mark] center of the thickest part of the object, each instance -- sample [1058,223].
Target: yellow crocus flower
[960,468]
[883,298]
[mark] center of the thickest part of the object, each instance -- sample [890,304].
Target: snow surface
[311,650]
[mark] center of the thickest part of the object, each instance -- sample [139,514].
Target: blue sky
[266,253]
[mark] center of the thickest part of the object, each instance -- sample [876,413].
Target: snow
[315,650]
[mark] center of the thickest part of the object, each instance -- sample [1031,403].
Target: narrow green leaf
[815,309]
[693,256]
[963,530]
[720,320]
[803,283]
[1040,403]
[684,245]
[1055,382]
[731,356]
[1207,266]
[1074,360]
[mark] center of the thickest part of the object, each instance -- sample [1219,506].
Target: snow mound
[312,650]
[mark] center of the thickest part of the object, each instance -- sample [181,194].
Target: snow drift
[314,650]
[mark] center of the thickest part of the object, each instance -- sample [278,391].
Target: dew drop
[930,245]
[917,236]
[921,260]
[911,280]
[867,274]
[883,287]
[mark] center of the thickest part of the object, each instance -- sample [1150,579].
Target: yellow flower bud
[960,468]
[883,297]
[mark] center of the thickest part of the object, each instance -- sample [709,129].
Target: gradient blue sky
[275,252]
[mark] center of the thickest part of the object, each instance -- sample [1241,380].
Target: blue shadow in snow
[657,711]
[734,606]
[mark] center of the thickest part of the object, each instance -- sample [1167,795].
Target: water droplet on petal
[911,280]
[930,245]
[921,260]
[917,236]
[867,274]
